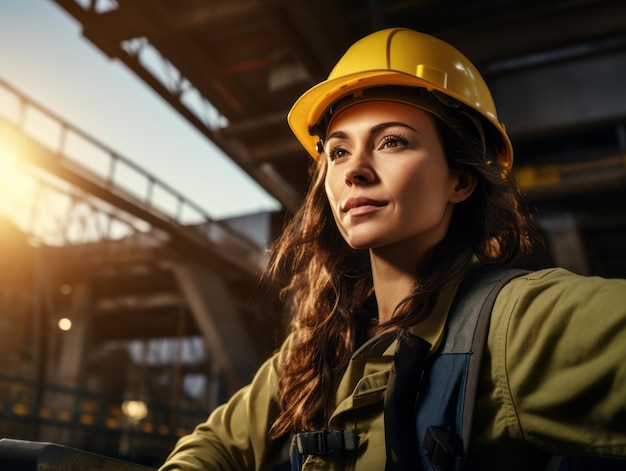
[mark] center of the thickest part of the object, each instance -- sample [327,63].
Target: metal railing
[36,411]
[117,174]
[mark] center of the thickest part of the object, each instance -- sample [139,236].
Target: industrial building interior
[170,317]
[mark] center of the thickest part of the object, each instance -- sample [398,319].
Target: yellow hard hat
[398,56]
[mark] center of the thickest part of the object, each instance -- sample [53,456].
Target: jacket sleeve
[234,437]
[558,350]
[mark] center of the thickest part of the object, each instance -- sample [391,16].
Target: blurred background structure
[127,312]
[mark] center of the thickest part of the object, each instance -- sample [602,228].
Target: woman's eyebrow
[382,126]
[337,134]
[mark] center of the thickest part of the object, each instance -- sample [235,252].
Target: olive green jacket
[553,378]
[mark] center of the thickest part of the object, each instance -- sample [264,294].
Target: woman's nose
[358,171]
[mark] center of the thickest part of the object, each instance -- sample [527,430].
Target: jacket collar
[430,329]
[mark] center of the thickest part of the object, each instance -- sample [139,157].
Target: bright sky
[44,56]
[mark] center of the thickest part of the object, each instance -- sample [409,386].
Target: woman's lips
[358,206]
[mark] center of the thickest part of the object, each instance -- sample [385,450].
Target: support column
[220,323]
[65,406]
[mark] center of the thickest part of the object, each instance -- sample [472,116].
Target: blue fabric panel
[441,397]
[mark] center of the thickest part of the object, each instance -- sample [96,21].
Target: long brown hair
[328,282]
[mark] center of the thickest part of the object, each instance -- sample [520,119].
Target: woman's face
[388,182]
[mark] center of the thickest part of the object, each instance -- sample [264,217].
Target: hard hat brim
[312,105]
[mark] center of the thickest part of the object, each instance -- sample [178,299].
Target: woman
[411,190]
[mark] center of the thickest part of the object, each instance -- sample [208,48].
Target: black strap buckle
[326,442]
[444,448]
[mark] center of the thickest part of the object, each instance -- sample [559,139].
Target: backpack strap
[485,290]
[446,434]
[402,392]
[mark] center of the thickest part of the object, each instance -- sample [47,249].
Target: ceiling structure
[557,69]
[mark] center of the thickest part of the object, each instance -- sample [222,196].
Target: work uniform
[553,378]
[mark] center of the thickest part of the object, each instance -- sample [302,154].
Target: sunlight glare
[15,187]
[8,160]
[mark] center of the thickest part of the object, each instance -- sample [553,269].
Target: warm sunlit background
[44,56]
[99,345]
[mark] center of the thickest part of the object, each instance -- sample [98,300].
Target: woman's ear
[464,187]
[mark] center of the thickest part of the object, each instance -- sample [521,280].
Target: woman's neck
[393,279]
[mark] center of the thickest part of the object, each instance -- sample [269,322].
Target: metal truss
[80,190]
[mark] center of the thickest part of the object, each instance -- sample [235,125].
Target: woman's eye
[336,153]
[393,141]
